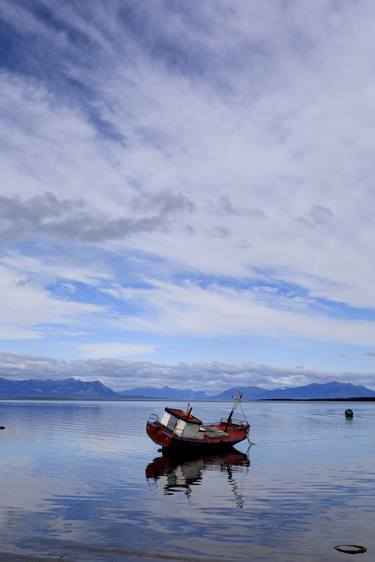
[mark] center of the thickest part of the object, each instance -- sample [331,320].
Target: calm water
[81,481]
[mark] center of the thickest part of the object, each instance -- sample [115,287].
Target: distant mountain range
[311,391]
[165,392]
[95,390]
[67,388]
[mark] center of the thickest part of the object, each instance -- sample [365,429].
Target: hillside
[67,388]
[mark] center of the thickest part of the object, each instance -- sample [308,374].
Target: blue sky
[187,192]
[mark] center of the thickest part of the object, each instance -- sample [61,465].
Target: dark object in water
[351,548]
[348,413]
[2,426]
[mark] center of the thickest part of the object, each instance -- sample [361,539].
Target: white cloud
[11,333]
[190,309]
[49,269]
[230,141]
[25,308]
[113,349]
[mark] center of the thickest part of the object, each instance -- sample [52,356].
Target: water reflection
[180,473]
[73,486]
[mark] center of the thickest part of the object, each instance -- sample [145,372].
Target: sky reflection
[83,481]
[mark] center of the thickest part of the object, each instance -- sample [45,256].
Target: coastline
[146,399]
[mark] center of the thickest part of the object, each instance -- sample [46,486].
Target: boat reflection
[180,473]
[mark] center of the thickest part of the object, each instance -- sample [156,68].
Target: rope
[248,438]
[243,413]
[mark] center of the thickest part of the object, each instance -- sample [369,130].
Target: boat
[179,430]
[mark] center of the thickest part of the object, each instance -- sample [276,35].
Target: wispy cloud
[26,308]
[190,308]
[100,350]
[201,141]
[49,267]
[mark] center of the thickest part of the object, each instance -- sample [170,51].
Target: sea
[81,481]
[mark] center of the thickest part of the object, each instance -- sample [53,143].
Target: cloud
[211,377]
[48,268]
[166,201]
[36,209]
[189,308]
[113,349]
[225,207]
[26,308]
[225,142]
[70,220]
[321,215]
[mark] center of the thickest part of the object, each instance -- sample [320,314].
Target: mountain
[75,388]
[165,392]
[249,393]
[332,389]
[311,391]
[67,388]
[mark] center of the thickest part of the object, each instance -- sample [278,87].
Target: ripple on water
[83,479]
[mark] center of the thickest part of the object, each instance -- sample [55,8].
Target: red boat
[180,430]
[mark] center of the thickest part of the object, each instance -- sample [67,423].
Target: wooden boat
[180,430]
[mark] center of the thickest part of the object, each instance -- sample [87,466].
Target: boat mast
[235,404]
[188,410]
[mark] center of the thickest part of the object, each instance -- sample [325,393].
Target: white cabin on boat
[182,423]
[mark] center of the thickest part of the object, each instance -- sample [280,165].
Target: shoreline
[145,399]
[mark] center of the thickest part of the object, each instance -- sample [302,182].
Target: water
[78,482]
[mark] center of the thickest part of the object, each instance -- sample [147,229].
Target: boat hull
[168,440]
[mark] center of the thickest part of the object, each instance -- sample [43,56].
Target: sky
[187,192]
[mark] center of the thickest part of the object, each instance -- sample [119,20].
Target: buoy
[348,413]
[351,548]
